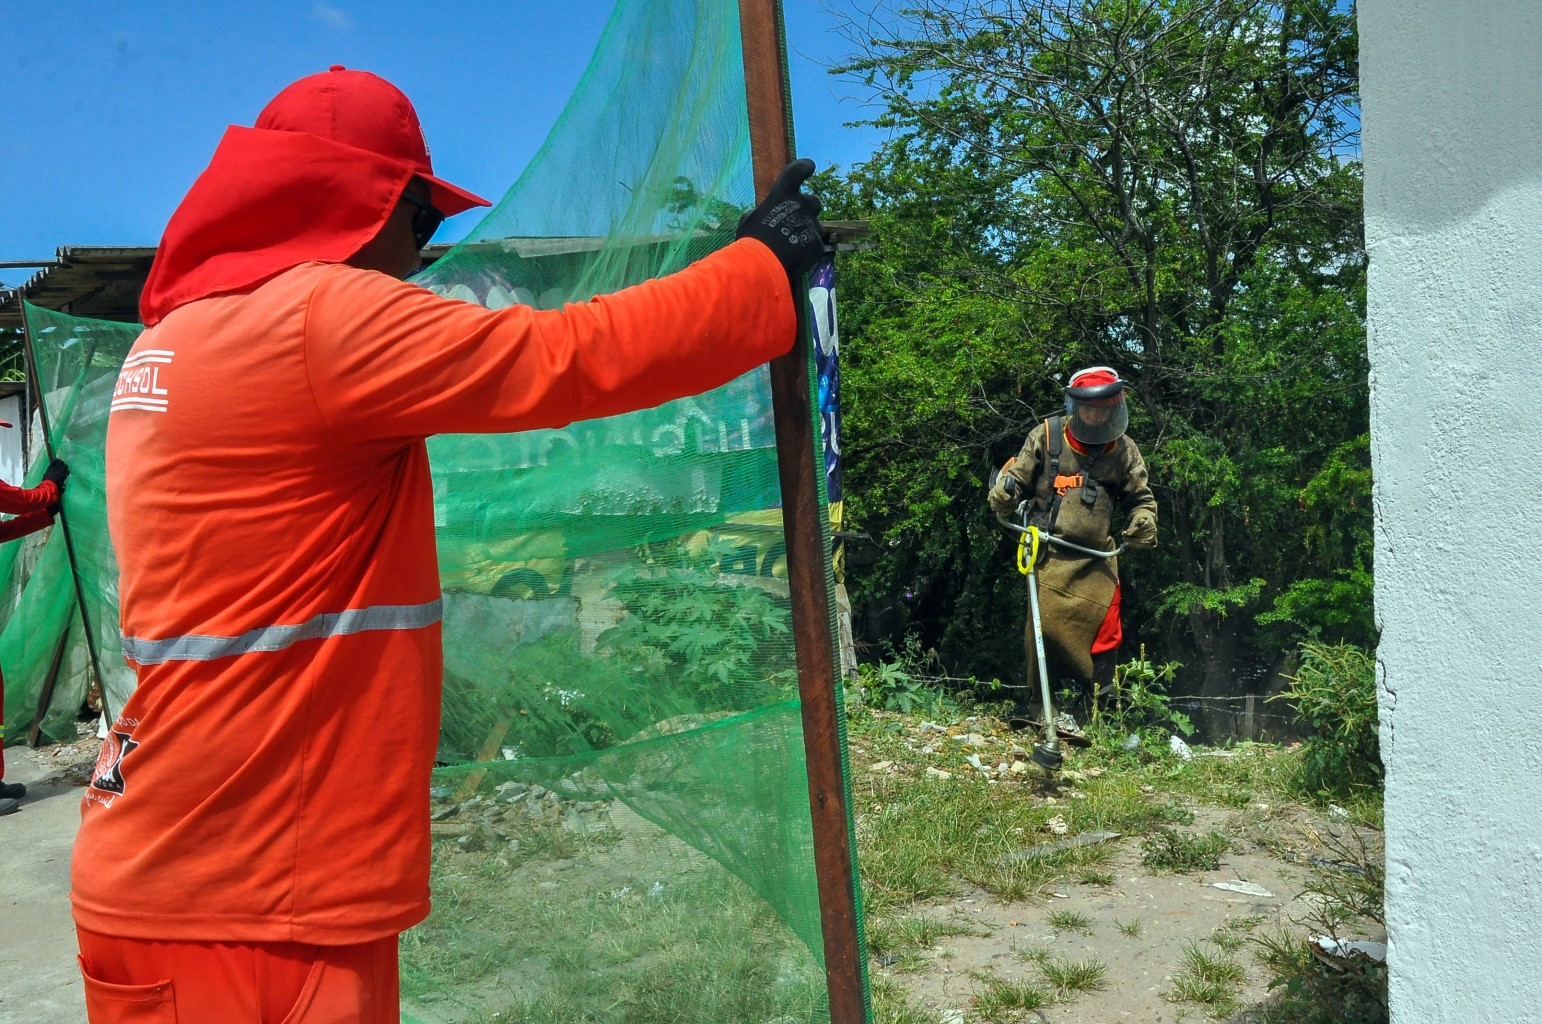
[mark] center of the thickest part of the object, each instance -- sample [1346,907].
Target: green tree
[1166,186]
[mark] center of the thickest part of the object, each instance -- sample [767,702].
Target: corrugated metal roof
[95,281]
[104,281]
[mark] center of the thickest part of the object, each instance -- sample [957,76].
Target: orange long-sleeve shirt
[271,509]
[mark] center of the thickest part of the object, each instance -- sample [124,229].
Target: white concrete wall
[1452,105]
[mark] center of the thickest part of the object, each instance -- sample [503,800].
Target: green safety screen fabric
[621,819]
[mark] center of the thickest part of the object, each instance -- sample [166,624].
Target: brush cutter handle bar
[1059,542]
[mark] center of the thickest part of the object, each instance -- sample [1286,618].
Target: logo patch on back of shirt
[139,382]
[107,780]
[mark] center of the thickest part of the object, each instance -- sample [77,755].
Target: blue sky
[111,109]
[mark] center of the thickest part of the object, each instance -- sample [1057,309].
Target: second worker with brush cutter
[1074,472]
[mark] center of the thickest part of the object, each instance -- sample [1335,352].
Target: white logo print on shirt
[139,382]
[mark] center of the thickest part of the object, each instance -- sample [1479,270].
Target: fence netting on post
[621,819]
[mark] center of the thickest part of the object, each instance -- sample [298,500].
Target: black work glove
[58,472]
[787,220]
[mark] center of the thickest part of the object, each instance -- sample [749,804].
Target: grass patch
[1070,921]
[1213,981]
[1095,876]
[998,1000]
[891,1006]
[1036,955]
[1070,976]
[1181,852]
[899,942]
[599,941]
[1131,928]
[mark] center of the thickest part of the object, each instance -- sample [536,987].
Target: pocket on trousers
[107,1003]
[309,1008]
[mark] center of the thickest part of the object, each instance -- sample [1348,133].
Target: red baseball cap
[5,424]
[363,110]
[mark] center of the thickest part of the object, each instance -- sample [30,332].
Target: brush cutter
[1047,752]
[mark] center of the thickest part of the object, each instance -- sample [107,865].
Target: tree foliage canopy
[1169,187]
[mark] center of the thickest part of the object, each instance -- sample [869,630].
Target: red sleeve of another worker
[388,359]
[30,505]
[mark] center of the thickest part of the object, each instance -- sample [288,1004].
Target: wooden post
[1248,732]
[760,26]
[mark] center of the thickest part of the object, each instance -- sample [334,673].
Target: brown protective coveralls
[1075,590]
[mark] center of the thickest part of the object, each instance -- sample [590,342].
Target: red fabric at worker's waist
[1111,631]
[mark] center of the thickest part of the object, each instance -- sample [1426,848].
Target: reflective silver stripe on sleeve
[194,647]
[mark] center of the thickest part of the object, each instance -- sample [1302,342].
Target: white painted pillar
[1452,111]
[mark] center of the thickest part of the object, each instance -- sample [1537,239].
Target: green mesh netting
[621,820]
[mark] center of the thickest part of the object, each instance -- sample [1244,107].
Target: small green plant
[890,687]
[1169,850]
[1334,693]
[1070,976]
[1131,928]
[1141,702]
[1036,955]
[1094,876]
[1213,981]
[998,997]
[1070,921]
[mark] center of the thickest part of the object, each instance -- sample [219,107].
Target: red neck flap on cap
[314,181]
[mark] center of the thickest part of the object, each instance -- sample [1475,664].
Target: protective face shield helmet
[1094,404]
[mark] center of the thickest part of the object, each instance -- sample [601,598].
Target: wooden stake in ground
[765,78]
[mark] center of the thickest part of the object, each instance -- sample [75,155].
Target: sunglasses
[425,221]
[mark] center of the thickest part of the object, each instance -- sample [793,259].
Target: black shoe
[8,806]
[12,791]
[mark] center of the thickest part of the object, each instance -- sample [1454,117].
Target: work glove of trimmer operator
[1003,497]
[1142,531]
[787,220]
[58,472]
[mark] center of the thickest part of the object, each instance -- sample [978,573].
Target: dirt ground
[1172,911]
[1139,923]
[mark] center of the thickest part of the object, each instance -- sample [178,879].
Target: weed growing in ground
[1140,704]
[898,942]
[998,999]
[1093,876]
[1068,976]
[891,1007]
[1213,981]
[1181,852]
[1070,921]
[1131,928]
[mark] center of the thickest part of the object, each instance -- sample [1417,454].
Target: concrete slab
[39,981]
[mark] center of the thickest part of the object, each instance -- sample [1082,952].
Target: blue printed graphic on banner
[827,345]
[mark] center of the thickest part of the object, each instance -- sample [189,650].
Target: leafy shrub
[721,638]
[1334,693]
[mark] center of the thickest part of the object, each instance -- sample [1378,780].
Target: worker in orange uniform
[32,508]
[256,832]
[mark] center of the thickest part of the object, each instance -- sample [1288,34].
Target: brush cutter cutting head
[1047,756]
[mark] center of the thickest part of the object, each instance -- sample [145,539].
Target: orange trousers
[149,981]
